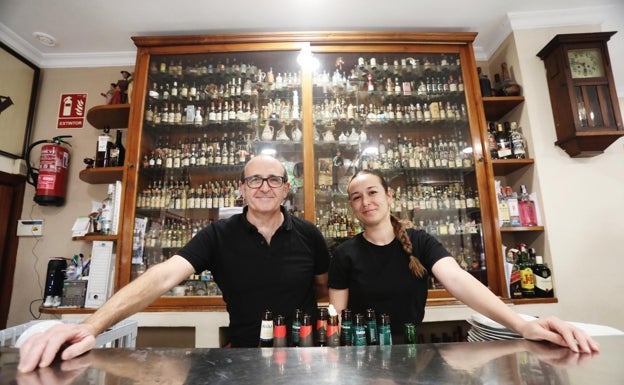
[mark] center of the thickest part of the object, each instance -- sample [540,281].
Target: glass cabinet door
[405,115]
[204,116]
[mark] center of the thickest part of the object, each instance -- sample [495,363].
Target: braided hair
[399,228]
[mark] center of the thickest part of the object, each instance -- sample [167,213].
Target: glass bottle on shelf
[104,146]
[117,152]
[518,143]
[106,215]
[528,213]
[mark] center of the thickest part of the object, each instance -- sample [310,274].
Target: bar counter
[497,362]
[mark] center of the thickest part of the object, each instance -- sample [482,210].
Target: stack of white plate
[484,329]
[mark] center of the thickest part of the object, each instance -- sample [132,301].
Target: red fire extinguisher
[50,179]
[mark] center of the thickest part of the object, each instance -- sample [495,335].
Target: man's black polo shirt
[254,276]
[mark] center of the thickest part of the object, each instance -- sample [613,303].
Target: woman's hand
[559,332]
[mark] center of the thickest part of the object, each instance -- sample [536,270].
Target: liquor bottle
[266,330]
[279,332]
[117,152]
[359,331]
[514,280]
[484,84]
[333,334]
[543,279]
[385,333]
[296,328]
[104,145]
[372,332]
[306,337]
[503,147]
[106,215]
[321,327]
[503,209]
[518,143]
[409,333]
[527,283]
[345,328]
[528,213]
[512,204]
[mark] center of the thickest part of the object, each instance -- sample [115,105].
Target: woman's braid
[401,233]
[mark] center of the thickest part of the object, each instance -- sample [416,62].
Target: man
[262,259]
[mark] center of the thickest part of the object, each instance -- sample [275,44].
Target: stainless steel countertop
[498,362]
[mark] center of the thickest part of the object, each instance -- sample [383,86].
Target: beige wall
[581,197]
[33,253]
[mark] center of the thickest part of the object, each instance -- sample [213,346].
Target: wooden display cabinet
[514,172]
[295,111]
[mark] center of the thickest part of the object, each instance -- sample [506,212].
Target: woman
[386,268]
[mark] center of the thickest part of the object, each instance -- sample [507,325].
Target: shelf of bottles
[205,116]
[405,116]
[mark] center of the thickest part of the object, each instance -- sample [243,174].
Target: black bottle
[117,152]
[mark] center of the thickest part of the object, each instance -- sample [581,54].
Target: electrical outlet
[29,228]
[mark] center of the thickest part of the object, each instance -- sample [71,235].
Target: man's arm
[320,286]
[40,349]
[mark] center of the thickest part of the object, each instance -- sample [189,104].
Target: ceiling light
[45,39]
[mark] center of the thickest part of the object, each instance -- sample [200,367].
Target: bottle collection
[405,116]
[178,194]
[505,141]
[199,151]
[328,328]
[515,209]
[109,153]
[530,277]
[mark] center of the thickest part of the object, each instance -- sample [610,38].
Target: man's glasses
[274,181]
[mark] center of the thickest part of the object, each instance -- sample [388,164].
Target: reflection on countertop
[497,362]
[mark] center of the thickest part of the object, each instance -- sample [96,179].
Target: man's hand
[41,349]
[561,333]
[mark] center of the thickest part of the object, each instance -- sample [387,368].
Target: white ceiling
[97,32]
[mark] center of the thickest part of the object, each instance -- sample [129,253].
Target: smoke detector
[45,39]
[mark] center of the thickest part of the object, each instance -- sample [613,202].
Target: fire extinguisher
[50,179]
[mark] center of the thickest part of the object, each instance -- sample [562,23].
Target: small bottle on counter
[296,328]
[345,328]
[306,337]
[372,332]
[266,330]
[359,331]
[321,327]
[385,333]
[279,332]
[409,333]
[333,334]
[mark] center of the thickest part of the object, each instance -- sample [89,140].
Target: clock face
[586,63]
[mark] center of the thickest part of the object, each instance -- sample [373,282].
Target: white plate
[485,321]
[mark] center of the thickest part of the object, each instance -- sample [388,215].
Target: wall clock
[582,92]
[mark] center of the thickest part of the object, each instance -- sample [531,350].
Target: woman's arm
[473,293]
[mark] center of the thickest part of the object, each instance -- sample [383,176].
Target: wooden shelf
[95,237]
[65,310]
[111,115]
[519,229]
[530,301]
[506,166]
[100,175]
[496,107]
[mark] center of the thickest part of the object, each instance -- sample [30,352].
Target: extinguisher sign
[72,109]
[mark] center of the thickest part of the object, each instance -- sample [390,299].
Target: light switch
[29,228]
